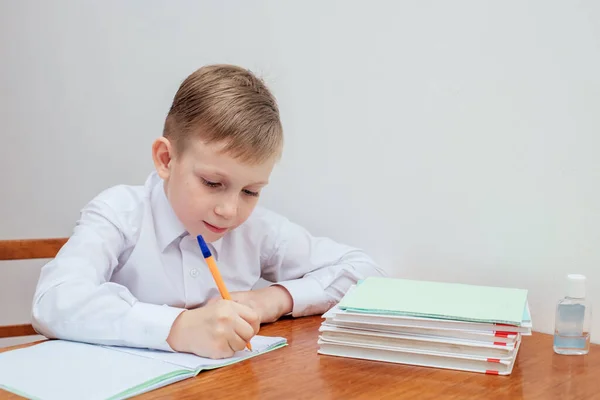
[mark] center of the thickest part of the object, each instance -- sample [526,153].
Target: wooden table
[298,372]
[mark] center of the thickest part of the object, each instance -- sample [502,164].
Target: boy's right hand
[216,330]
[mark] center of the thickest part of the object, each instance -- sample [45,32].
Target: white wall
[454,141]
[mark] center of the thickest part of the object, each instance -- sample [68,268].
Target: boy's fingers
[244,330]
[237,343]
[248,315]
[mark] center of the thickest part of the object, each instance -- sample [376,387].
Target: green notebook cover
[437,300]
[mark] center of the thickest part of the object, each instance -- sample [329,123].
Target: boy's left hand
[269,303]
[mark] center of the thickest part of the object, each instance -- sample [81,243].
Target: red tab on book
[490,372]
[499,343]
[503,334]
[494,360]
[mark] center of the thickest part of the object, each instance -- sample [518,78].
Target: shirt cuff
[309,296]
[150,325]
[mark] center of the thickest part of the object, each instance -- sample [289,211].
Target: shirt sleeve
[316,271]
[75,299]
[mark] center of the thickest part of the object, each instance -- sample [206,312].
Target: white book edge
[421,338]
[424,347]
[484,336]
[418,359]
[501,360]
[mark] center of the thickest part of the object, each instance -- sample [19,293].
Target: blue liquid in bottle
[573,319]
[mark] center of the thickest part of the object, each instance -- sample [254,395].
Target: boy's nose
[227,208]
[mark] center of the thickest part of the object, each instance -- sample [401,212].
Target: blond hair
[230,105]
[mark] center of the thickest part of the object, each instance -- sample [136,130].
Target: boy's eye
[210,184]
[250,193]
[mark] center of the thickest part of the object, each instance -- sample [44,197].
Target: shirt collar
[166,224]
[216,248]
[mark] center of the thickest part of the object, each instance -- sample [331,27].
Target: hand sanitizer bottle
[573,319]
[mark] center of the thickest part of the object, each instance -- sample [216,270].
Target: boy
[132,273]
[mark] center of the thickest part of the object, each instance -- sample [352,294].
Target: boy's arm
[316,271]
[74,299]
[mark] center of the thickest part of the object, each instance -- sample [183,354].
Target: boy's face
[210,192]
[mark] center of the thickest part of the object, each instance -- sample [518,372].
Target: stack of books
[430,324]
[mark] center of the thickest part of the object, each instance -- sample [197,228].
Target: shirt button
[194,273]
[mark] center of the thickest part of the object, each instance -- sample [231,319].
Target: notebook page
[260,345]
[438,300]
[64,370]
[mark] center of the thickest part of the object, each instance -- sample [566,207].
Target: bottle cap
[576,286]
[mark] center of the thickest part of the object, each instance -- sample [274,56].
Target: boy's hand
[270,303]
[216,330]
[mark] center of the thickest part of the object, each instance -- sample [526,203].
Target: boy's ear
[162,155]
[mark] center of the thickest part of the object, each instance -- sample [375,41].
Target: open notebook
[64,370]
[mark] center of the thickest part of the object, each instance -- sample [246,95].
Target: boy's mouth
[213,228]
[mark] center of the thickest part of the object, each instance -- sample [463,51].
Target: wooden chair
[27,249]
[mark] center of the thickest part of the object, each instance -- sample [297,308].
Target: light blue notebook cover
[440,300]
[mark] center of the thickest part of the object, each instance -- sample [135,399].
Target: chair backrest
[27,249]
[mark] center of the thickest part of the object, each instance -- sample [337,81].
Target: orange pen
[212,266]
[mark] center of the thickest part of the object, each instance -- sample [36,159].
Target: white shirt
[130,268]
